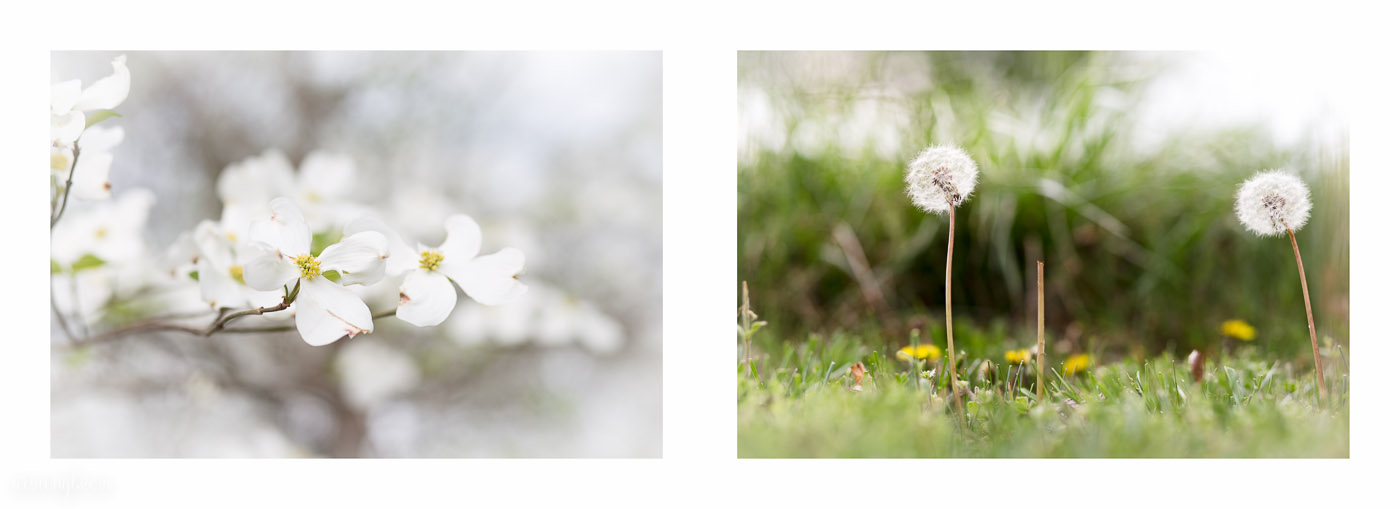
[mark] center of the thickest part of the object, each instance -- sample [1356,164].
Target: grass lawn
[801,403]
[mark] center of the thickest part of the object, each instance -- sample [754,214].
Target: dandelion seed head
[941,175]
[1273,202]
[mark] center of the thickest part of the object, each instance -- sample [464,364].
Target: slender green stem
[67,187]
[1312,331]
[948,309]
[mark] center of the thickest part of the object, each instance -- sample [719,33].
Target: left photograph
[355,254]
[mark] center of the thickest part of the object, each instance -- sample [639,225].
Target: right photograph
[1042,254]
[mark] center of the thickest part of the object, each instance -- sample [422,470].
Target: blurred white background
[556,154]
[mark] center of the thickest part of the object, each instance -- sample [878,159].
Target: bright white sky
[1298,97]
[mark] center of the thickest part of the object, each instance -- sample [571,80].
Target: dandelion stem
[748,329]
[948,311]
[67,187]
[1040,330]
[1312,331]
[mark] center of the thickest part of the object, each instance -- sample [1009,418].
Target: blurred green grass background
[1143,254]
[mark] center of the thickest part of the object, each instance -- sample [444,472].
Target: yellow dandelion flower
[1021,356]
[922,352]
[1237,329]
[1077,363]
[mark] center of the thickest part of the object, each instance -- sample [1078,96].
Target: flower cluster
[80,151]
[258,254]
[287,239]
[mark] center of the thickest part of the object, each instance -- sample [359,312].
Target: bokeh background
[1118,169]
[557,154]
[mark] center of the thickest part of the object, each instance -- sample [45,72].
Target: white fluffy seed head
[941,175]
[1273,202]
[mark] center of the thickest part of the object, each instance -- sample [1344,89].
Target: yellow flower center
[59,160]
[231,237]
[430,260]
[310,266]
[236,272]
[101,232]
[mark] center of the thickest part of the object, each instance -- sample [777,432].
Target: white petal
[256,180]
[65,128]
[120,226]
[217,286]
[258,299]
[359,258]
[327,312]
[425,299]
[402,258]
[326,176]
[489,279]
[102,139]
[285,229]
[108,92]
[236,220]
[63,95]
[213,243]
[268,270]
[463,238]
[90,176]
[180,258]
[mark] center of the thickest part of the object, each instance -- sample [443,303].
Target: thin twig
[62,322]
[1312,332]
[67,188]
[149,326]
[219,324]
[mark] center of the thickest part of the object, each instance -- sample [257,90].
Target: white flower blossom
[112,231]
[426,296]
[566,319]
[547,315]
[68,104]
[69,101]
[1273,202]
[325,311]
[319,189]
[940,176]
[91,174]
[220,265]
